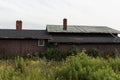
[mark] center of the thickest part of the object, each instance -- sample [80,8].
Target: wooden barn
[22,42]
[84,37]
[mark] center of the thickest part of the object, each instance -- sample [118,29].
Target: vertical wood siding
[107,47]
[21,47]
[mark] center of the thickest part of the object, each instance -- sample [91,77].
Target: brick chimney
[64,24]
[18,25]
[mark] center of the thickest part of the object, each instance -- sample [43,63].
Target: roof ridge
[77,25]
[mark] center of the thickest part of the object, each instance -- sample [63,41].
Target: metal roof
[73,39]
[22,34]
[80,29]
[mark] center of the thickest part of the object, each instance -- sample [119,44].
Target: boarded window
[41,42]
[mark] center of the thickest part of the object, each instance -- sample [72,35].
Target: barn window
[41,42]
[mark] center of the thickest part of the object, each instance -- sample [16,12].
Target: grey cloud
[41,12]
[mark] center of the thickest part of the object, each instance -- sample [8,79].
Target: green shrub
[19,64]
[72,51]
[52,52]
[74,67]
[83,67]
[115,54]
[95,53]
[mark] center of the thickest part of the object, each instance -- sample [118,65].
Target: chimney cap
[19,21]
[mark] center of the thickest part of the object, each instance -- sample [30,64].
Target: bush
[95,53]
[52,52]
[83,67]
[19,64]
[75,67]
[72,51]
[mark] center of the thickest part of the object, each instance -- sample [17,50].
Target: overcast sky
[36,14]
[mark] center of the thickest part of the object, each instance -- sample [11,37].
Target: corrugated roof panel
[81,29]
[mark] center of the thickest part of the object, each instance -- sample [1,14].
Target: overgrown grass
[28,69]
[74,67]
[83,67]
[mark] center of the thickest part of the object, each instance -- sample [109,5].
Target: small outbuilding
[22,42]
[84,37]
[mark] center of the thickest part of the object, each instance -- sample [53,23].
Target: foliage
[74,67]
[33,70]
[83,67]
[19,64]
[72,51]
[95,53]
[53,53]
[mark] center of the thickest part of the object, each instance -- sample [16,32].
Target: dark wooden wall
[104,47]
[24,47]
[21,47]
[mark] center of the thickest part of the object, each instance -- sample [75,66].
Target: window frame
[43,42]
